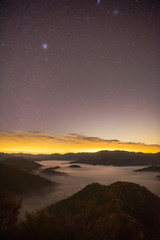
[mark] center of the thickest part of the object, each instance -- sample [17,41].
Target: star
[44,46]
[98,2]
[116,12]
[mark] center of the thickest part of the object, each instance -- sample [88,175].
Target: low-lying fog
[76,178]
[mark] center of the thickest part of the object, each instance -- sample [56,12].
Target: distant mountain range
[24,155]
[119,158]
[116,158]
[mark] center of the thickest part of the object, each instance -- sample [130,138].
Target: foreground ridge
[119,211]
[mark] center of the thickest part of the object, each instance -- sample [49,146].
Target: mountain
[116,158]
[121,211]
[74,166]
[24,155]
[52,171]
[22,163]
[149,169]
[18,181]
[4,155]
[119,158]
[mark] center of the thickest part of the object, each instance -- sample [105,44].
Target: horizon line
[63,153]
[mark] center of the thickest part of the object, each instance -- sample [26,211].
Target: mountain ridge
[104,157]
[120,211]
[18,181]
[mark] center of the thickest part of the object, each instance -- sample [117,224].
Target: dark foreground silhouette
[121,211]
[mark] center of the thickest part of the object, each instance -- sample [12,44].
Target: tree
[9,209]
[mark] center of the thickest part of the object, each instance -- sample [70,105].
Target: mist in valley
[77,178]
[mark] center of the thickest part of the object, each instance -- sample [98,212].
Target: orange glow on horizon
[47,143]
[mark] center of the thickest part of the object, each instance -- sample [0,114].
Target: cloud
[92,139]
[47,142]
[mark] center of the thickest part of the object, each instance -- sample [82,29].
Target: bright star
[98,2]
[116,12]
[45,46]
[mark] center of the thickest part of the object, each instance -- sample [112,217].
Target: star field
[86,67]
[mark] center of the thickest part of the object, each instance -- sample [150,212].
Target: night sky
[79,69]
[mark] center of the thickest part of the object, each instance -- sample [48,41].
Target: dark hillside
[149,169]
[22,163]
[18,181]
[122,211]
